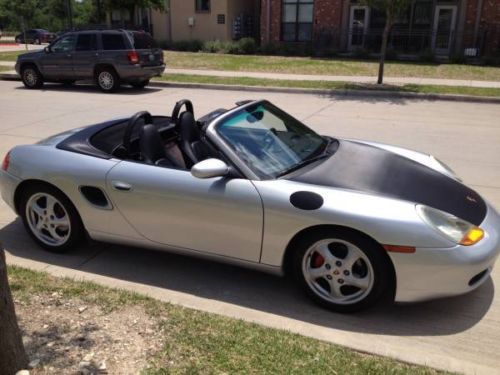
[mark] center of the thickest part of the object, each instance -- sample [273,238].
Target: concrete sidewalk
[308,77]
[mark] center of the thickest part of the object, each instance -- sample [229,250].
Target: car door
[57,63]
[85,55]
[221,216]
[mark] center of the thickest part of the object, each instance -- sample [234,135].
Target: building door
[444,28]
[358,26]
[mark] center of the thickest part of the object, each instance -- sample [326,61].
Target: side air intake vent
[95,196]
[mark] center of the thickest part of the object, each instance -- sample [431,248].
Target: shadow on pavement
[253,289]
[87,88]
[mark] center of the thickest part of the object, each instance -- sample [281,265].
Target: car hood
[366,168]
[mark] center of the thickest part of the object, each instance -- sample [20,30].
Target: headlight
[450,226]
[447,170]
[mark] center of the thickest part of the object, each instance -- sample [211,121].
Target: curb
[323,92]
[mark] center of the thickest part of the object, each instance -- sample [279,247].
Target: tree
[392,8]
[12,355]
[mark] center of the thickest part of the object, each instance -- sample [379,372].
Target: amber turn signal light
[473,236]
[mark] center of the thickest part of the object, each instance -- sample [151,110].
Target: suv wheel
[31,77]
[107,79]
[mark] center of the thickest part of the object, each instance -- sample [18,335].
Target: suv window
[113,42]
[86,42]
[65,44]
[143,41]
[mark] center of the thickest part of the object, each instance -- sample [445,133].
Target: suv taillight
[6,162]
[133,57]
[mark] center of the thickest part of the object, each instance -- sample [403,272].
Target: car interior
[172,142]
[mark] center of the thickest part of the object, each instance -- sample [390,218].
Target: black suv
[109,57]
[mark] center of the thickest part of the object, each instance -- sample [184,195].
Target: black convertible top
[101,140]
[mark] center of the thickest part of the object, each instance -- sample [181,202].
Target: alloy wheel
[48,219]
[338,271]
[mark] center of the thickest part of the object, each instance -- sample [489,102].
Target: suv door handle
[122,186]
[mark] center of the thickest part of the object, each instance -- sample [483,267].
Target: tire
[139,85]
[32,79]
[107,80]
[342,270]
[50,218]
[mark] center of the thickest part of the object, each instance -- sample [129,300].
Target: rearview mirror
[47,49]
[210,168]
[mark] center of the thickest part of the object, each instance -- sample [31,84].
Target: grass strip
[200,342]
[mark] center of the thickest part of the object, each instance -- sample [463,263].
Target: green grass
[10,56]
[5,68]
[336,66]
[326,85]
[199,342]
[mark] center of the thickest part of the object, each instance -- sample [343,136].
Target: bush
[361,53]
[214,46]
[491,59]
[187,45]
[246,46]
[427,55]
[458,58]
[269,49]
[391,54]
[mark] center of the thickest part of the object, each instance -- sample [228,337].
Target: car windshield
[271,142]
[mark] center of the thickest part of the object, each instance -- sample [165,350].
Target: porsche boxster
[352,222]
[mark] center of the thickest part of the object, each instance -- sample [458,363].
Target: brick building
[446,27]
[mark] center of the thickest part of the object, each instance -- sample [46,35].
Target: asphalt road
[460,334]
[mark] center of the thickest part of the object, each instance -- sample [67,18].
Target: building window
[297,20]
[202,6]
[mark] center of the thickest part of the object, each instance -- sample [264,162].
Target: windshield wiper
[305,162]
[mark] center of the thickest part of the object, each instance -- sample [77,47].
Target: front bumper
[431,273]
[8,185]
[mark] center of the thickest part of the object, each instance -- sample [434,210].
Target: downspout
[268,21]
[478,20]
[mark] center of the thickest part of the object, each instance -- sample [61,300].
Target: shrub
[187,45]
[427,55]
[213,46]
[491,59]
[391,54]
[361,53]
[269,49]
[458,58]
[246,46]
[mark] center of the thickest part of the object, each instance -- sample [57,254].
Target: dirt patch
[68,336]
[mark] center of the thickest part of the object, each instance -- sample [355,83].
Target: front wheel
[50,218]
[343,271]
[32,79]
[107,80]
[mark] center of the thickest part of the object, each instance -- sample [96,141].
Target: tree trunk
[12,355]
[383,49]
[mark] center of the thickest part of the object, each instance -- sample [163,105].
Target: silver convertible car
[352,222]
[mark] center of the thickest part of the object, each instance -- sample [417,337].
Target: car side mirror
[47,49]
[210,168]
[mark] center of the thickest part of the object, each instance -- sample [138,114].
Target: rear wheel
[140,84]
[343,271]
[107,80]
[50,218]
[31,77]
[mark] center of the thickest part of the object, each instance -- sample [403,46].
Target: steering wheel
[177,109]
[134,120]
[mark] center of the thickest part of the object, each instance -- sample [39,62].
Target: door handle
[122,186]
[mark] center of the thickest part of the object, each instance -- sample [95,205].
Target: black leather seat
[152,147]
[191,144]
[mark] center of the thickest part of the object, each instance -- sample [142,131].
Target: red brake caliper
[317,260]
